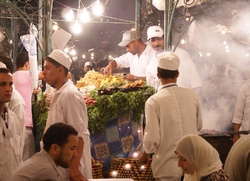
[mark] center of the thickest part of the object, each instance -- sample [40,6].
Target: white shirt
[138,65]
[67,106]
[170,114]
[242,108]
[17,105]
[188,75]
[10,147]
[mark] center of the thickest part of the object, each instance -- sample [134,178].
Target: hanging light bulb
[76,28]
[84,16]
[69,16]
[55,26]
[98,8]
[72,52]
[66,50]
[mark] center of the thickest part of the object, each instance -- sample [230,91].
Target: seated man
[60,148]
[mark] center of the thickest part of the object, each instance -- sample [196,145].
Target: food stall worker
[137,58]
[87,67]
[241,118]
[188,77]
[67,106]
[171,113]
[11,132]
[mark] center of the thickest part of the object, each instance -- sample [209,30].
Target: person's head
[22,61]
[196,156]
[56,67]
[60,141]
[155,36]
[168,64]
[131,40]
[87,67]
[6,82]
[8,62]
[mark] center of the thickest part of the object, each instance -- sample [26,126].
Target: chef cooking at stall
[137,58]
[188,77]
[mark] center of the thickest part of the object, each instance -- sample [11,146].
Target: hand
[235,137]
[143,158]
[47,100]
[107,70]
[76,175]
[130,77]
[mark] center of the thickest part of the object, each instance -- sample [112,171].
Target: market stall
[115,107]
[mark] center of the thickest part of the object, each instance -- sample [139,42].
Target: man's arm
[131,77]
[75,174]
[143,158]
[236,128]
[239,110]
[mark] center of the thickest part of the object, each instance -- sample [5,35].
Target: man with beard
[137,57]
[59,149]
[188,78]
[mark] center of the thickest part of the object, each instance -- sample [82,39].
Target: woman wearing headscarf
[199,160]
[237,164]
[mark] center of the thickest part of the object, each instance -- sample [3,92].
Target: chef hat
[88,64]
[154,31]
[2,65]
[168,61]
[61,57]
[128,37]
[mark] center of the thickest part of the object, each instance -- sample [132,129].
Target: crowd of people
[173,118]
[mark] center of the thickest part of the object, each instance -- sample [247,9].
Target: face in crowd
[157,43]
[86,68]
[132,47]
[184,164]
[6,82]
[53,72]
[67,152]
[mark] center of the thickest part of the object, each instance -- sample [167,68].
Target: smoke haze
[218,43]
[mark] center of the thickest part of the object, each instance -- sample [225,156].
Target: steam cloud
[219,46]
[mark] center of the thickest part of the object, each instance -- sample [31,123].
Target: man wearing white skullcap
[188,77]
[170,114]
[68,106]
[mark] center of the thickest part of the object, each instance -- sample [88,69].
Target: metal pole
[13,35]
[137,16]
[40,32]
[48,15]
[167,28]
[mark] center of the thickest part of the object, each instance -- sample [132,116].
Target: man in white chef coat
[67,106]
[11,130]
[137,57]
[188,75]
[171,113]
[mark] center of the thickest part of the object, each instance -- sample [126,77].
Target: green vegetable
[40,114]
[109,107]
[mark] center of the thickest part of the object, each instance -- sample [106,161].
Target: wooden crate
[97,169]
